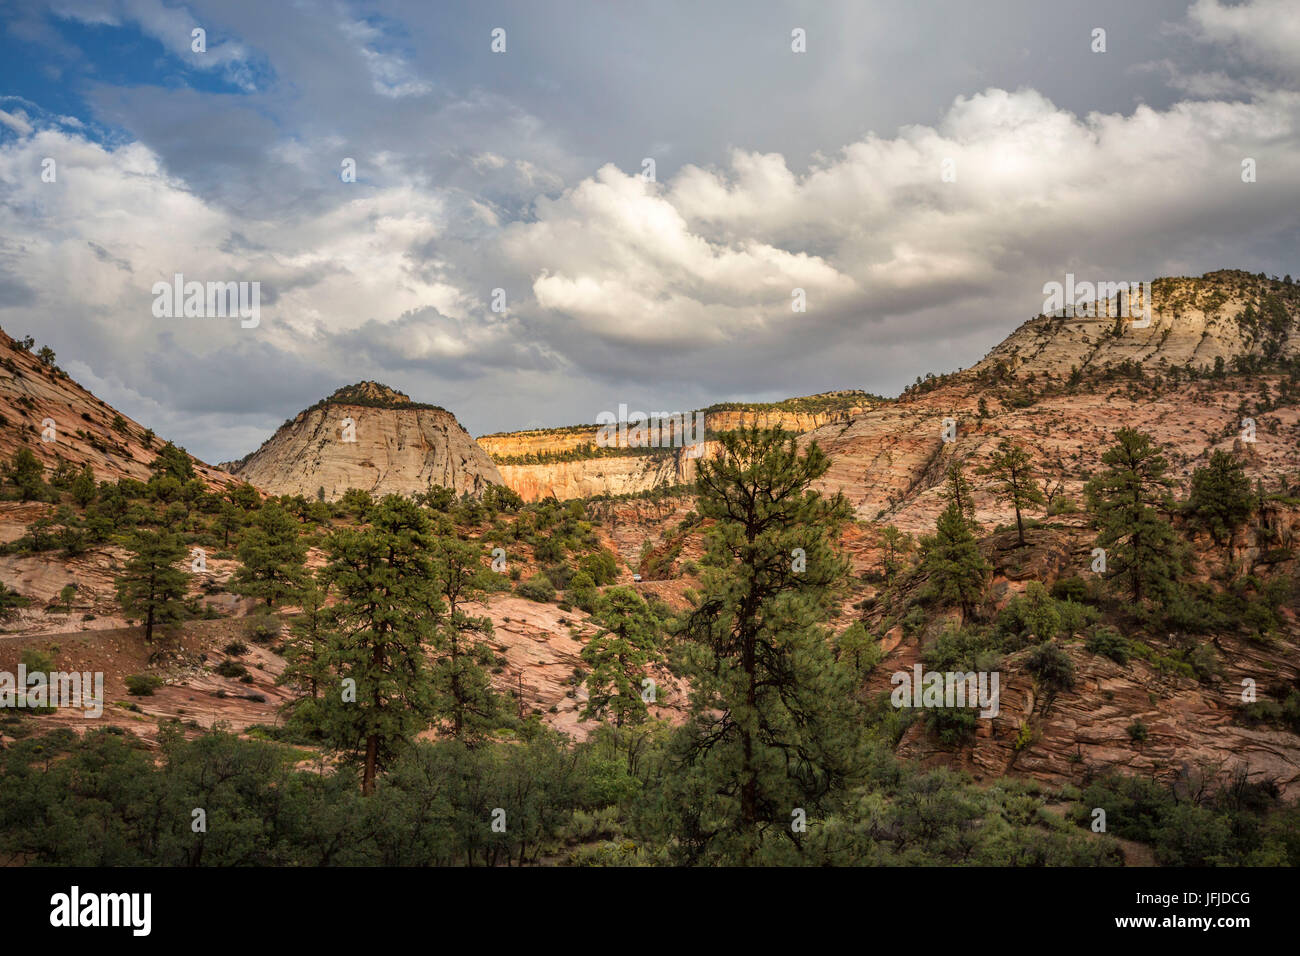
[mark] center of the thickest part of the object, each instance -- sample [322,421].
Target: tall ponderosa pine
[272,557]
[1220,501]
[386,613]
[951,558]
[1128,501]
[466,701]
[772,726]
[150,587]
[620,656]
[1017,482]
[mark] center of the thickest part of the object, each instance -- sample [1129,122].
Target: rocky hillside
[569,463]
[371,437]
[1062,387]
[44,410]
[1193,323]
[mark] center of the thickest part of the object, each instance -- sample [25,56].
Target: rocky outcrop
[370,437]
[560,463]
[595,477]
[1192,323]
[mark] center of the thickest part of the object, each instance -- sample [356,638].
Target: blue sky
[521,170]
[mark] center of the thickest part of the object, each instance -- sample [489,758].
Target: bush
[1137,731]
[229,668]
[537,588]
[1052,666]
[263,628]
[142,685]
[236,648]
[582,591]
[1108,642]
[1040,614]
[559,574]
[1073,588]
[37,661]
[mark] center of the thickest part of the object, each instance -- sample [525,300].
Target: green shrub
[263,628]
[1108,642]
[229,668]
[142,685]
[1052,666]
[537,588]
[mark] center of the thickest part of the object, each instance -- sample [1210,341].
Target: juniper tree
[771,726]
[620,656]
[272,557]
[1127,501]
[1013,469]
[150,586]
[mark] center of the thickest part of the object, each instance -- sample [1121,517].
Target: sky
[919,169]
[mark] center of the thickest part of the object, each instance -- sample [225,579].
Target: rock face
[593,477]
[1192,322]
[370,437]
[47,412]
[556,462]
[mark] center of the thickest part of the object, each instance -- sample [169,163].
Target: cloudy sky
[523,171]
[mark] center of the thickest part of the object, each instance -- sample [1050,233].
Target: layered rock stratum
[371,437]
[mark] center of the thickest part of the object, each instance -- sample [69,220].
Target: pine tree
[857,650]
[386,615]
[620,656]
[230,517]
[1126,501]
[1017,482]
[951,558]
[461,677]
[27,473]
[272,557]
[150,587]
[83,486]
[771,726]
[309,638]
[894,544]
[1220,501]
[959,493]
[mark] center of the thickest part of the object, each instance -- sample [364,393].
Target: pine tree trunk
[372,755]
